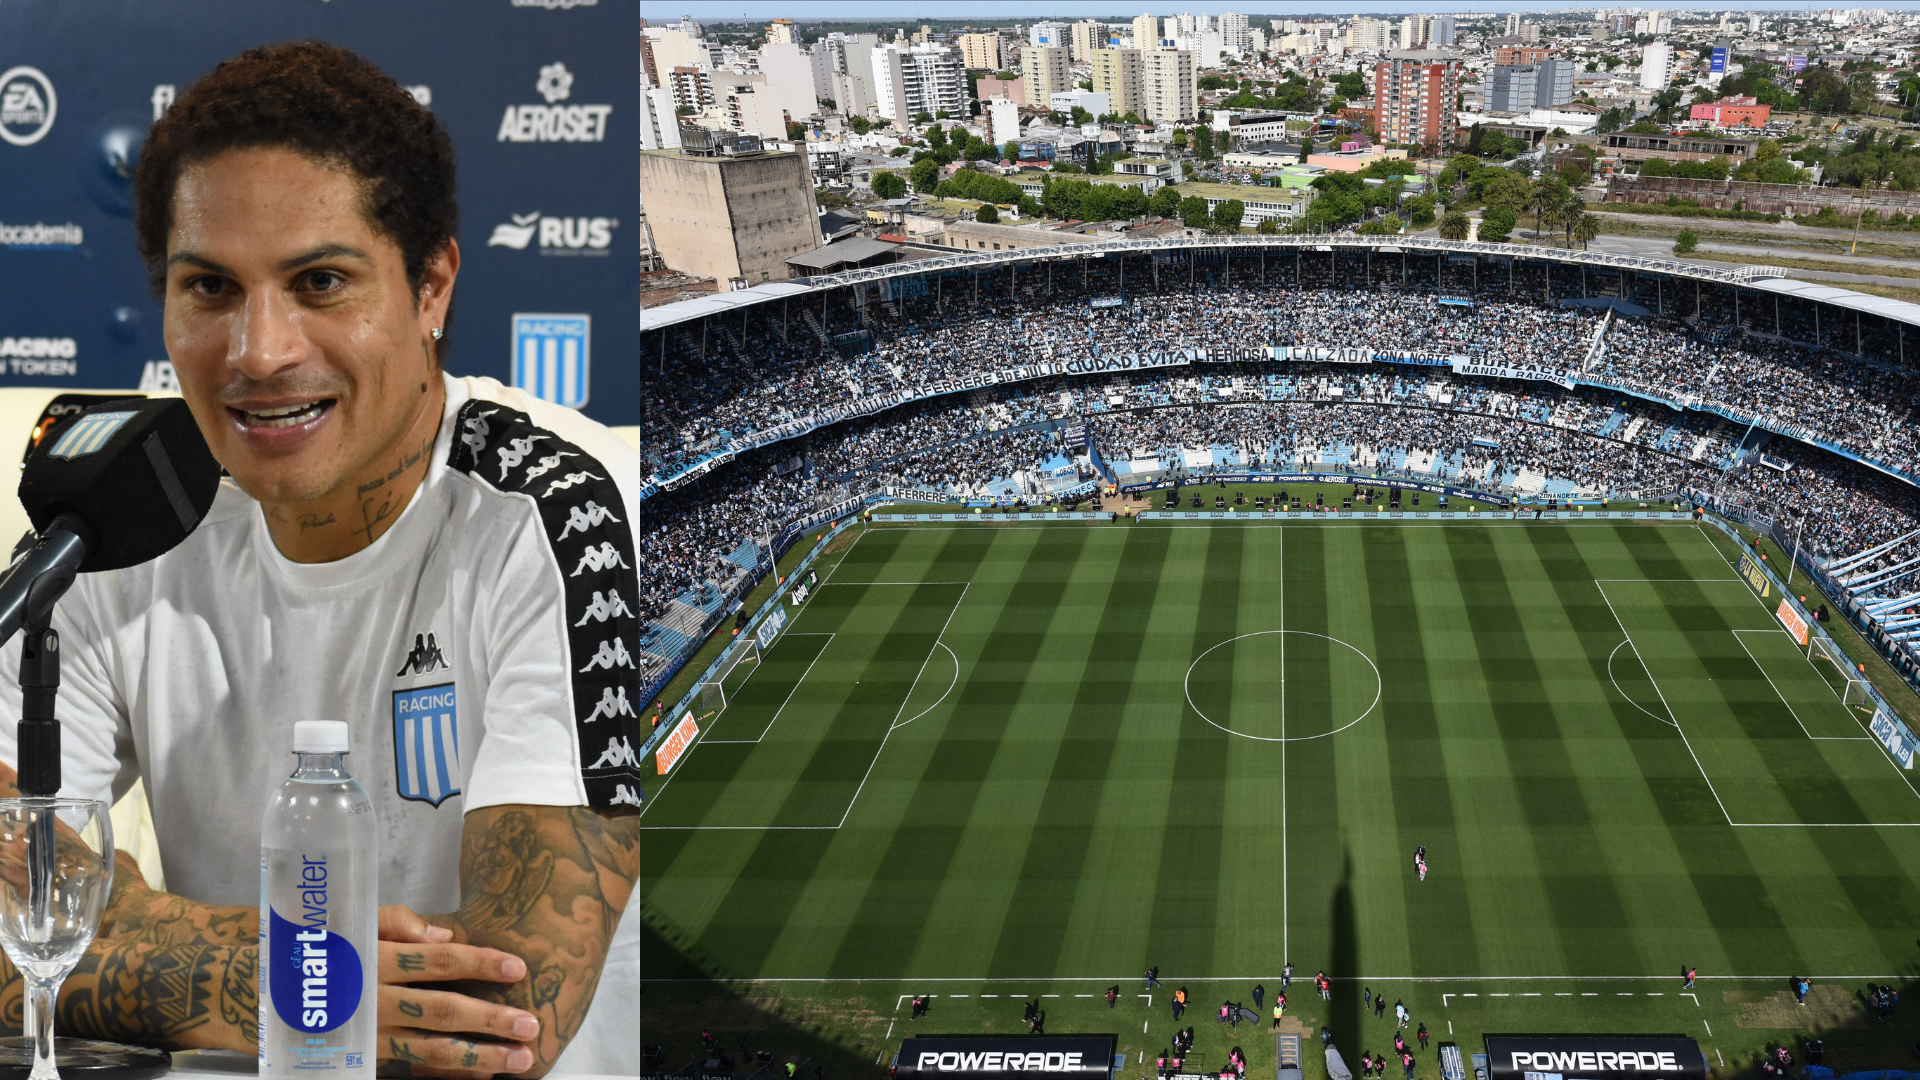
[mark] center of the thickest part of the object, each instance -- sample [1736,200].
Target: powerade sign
[959,1057]
[1595,1057]
[536,95]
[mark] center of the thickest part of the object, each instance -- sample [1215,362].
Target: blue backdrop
[539,96]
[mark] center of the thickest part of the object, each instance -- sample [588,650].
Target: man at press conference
[385,528]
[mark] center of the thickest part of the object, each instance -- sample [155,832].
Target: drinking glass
[56,867]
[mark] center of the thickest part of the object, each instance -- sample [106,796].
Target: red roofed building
[1731,112]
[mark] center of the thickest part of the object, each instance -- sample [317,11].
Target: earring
[435,332]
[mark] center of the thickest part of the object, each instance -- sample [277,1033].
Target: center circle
[1283,685]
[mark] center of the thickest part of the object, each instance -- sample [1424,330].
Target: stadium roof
[1753,277]
[856,250]
[1883,306]
[702,306]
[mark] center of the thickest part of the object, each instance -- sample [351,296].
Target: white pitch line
[1444,1003]
[964,586]
[1663,697]
[783,701]
[1709,1025]
[1791,711]
[1696,1004]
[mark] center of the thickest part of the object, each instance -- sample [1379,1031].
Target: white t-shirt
[482,651]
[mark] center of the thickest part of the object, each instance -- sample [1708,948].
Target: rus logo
[558,235]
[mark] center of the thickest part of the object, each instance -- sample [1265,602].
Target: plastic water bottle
[319,915]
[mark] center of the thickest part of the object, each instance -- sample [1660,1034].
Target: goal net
[1843,675]
[713,697]
[745,651]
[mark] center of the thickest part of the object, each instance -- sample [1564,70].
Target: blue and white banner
[770,629]
[550,357]
[1894,736]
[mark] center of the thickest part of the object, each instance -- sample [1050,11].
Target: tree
[925,175]
[1824,90]
[1081,116]
[1097,203]
[1180,138]
[796,131]
[1203,143]
[1193,212]
[1419,210]
[1164,203]
[1129,202]
[1496,224]
[987,213]
[1227,215]
[923,117]
[1656,167]
[1306,145]
[860,125]
[1455,226]
[1585,228]
[1030,206]
[1012,150]
[1541,202]
[935,135]
[889,185]
[1267,227]
[1686,243]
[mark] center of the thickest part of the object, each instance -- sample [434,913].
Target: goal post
[713,697]
[745,651]
[1847,681]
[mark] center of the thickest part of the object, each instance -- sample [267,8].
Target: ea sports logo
[27,105]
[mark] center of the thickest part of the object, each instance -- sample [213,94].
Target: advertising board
[676,744]
[1595,1057]
[965,1057]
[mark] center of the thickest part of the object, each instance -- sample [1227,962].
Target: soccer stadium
[1118,637]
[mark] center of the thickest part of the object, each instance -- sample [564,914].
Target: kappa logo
[554,122]
[611,654]
[605,607]
[569,481]
[515,452]
[27,105]
[545,465]
[475,438]
[623,796]
[618,752]
[425,657]
[585,517]
[613,705]
[599,558]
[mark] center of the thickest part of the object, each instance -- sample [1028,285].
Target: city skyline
[868,11]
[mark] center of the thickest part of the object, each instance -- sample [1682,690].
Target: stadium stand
[1558,375]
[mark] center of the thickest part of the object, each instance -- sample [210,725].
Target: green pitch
[1067,753]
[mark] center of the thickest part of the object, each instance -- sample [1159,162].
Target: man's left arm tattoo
[547,884]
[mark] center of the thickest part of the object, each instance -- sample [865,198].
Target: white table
[228,1066]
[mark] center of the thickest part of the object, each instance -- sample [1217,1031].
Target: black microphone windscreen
[137,470]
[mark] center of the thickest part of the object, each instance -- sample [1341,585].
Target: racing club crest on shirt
[426,744]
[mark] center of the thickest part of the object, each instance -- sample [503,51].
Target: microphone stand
[38,742]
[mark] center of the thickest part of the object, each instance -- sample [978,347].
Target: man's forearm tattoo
[130,990]
[549,888]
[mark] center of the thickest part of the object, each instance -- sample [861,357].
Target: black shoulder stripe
[587,528]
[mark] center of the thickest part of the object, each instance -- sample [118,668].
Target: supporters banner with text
[1750,571]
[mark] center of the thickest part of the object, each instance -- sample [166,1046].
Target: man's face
[298,343]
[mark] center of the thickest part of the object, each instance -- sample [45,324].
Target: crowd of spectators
[750,378]
[765,371]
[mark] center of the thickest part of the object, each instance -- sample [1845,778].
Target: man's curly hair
[321,101]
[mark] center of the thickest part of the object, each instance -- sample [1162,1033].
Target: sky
[910,11]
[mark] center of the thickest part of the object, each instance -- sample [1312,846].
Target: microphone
[117,485]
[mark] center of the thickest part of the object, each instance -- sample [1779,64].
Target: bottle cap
[319,737]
